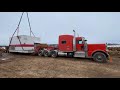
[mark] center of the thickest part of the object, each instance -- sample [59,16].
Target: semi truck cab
[78,47]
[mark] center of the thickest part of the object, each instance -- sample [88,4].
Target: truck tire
[100,57]
[46,53]
[54,54]
[40,53]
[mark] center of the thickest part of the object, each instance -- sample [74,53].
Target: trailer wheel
[54,54]
[40,53]
[100,57]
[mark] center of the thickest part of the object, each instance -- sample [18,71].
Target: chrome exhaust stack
[74,41]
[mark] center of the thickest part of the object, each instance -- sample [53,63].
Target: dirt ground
[28,66]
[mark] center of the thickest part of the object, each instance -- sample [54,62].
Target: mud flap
[110,58]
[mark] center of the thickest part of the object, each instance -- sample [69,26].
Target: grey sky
[96,27]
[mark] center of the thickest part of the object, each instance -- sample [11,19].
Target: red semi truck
[72,46]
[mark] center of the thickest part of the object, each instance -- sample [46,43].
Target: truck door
[79,45]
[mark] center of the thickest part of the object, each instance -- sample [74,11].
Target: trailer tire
[40,53]
[100,57]
[54,54]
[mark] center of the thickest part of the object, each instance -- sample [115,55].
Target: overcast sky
[96,27]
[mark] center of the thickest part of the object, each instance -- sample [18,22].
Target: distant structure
[113,45]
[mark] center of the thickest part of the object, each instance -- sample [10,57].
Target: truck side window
[63,42]
[79,42]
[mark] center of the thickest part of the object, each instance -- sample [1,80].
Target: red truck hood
[94,47]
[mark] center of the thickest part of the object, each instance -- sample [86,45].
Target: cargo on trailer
[23,44]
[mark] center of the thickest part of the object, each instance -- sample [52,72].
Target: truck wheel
[53,54]
[100,57]
[40,53]
[46,53]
